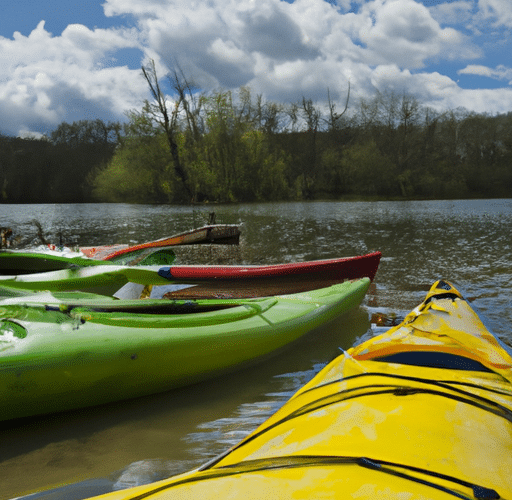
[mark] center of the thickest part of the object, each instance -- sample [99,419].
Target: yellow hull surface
[423,411]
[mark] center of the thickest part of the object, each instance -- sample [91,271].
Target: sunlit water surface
[118,445]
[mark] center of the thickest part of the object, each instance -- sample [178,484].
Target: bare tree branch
[333,116]
[169,123]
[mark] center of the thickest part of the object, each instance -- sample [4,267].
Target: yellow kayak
[423,411]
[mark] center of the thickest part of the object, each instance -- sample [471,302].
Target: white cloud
[499,11]
[441,92]
[289,48]
[280,49]
[47,80]
[192,34]
[458,12]
[140,9]
[482,100]
[501,72]
[431,89]
[404,33]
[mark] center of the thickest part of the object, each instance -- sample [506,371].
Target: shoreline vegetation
[231,147]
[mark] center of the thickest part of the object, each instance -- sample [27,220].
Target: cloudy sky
[67,60]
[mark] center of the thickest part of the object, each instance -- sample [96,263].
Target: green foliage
[335,180]
[232,161]
[265,169]
[55,169]
[219,147]
[368,172]
[139,172]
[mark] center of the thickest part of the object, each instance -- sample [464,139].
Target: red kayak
[196,281]
[266,280]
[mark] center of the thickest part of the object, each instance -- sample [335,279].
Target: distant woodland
[234,147]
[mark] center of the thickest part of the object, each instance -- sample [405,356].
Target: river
[95,450]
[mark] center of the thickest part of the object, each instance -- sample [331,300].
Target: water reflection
[214,437]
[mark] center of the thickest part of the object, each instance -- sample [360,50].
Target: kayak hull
[371,425]
[208,281]
[13,262]
[102,279]
[19,262]
[215,233]
[66,351]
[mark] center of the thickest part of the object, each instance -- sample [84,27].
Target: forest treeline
[233,147]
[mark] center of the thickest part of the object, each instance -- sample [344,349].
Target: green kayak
[15,262]
[103,279]
[66,350]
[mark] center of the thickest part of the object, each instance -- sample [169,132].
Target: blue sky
[24,15]
[66,60]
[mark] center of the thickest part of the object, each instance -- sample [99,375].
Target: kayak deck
[69,350]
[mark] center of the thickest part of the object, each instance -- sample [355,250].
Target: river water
[468,242]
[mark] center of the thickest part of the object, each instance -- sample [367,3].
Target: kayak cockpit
[434,359]
[146,307]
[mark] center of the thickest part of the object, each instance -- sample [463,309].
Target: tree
[334,119]
[78,150]
[141,169]
[368,171]
[138,173]
[169,121]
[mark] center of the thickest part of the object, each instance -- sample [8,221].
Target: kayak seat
[434,359]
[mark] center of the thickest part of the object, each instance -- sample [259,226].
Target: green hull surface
[64,350]
[33,261]
[103,279]
[14,262]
